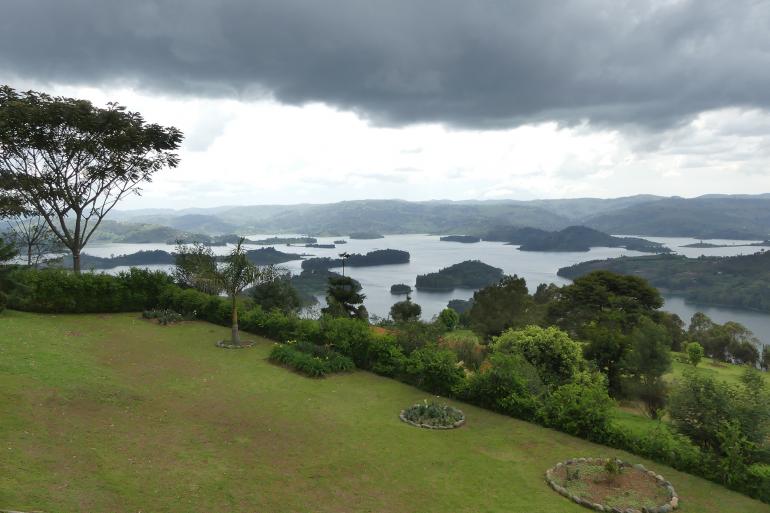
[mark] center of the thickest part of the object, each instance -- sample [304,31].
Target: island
[366,235]
[273,241]
[400,289]
[705,245]
[572,238]
[321,246]
[269,256]
[377,257]
[341,241]
[140,258]
[460,305]
[471,274]
[465,239]
[738,281]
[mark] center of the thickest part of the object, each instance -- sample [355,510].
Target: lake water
[429,254]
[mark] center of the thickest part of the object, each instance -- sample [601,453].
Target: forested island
[465,239]
[705,245]
[377,257]
[572,238]
[738,281]
[321,246]
[400,289]
[470,274]
[285,240]
[366,235]
[313,282]
[270,256]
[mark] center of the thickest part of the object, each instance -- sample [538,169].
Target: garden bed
[433,415]
[612,486]
[309,359]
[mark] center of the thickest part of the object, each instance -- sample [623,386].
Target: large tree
[73,162]
[506,304]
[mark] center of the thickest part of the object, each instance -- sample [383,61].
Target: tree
[504,305]
[344,298]
[604,297]
[765,357]
[694,353]
[196,267]
[606,347]
[405,311]
[556,357]
[647,359]
[277,294]
[34,239]
[236,274]
[73,162]
[674,326]
[449,318]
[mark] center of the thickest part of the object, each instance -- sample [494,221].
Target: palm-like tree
[238,273]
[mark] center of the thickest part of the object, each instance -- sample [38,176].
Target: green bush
[434,369]
[433,414]
[759,481]
[311,360]
[581,409]
[163,316]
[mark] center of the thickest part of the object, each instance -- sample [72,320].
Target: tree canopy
[72,162]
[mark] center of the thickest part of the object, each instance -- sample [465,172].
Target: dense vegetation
[376,257]
[366,235]
[740,281]
[572,238]
[400,288]
[468,275]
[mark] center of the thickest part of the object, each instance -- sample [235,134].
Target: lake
[429,254]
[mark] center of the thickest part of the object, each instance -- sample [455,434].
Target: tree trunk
[76,262]
[236,338]
[29,255]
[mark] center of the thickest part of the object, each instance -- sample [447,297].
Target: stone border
[459,423]
[672,504]
[224,344]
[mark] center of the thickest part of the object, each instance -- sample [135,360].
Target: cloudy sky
[286,101]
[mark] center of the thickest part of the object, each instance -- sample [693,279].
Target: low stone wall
[672,504]
[456,425]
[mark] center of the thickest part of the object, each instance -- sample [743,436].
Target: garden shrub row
[581,408]
[310,359]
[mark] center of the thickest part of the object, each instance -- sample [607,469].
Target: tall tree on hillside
[506,304]
[344,298]
[72,162]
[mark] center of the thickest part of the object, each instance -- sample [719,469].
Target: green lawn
[109,413]
[707,367]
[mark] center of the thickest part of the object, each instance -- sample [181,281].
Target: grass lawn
[707,367]
[109,413]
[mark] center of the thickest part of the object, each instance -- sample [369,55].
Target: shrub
[581,409]
[759,481]
[510,385]
[60,291]
[449,319]
[556,356]
[163,316]
[694,353]
[465,344]
[433,414]
[434,369]
[309,359]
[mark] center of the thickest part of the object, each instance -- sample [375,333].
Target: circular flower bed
[613,486]
[433,415]
[225,344]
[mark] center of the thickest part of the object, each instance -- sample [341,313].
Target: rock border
[225,344]
[457,424]
[672,504]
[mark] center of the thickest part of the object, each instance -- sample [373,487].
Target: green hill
[105,413]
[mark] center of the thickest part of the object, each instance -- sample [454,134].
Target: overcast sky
[286,101]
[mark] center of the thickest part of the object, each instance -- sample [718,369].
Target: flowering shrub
[433,414]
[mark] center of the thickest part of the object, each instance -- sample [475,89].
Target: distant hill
[746,218]
[739,281]
[714,216]
[572,238]
[113,231]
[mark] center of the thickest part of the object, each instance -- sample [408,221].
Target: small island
[465,239]
[321,246]
[400,289]
[572,238]
[366,235]
[269,256]
[471,274]
[140,258]
[706,245]
[341,241]
[313,282]
[272,241]
[377,257]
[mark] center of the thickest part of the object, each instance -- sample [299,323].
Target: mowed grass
[727,372]
[110,413]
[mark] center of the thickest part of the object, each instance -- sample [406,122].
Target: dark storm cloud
[465,63]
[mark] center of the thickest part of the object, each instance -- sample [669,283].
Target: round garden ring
[225,344]
[432,415]
[612,486]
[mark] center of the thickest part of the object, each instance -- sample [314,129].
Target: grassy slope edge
[112,413]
